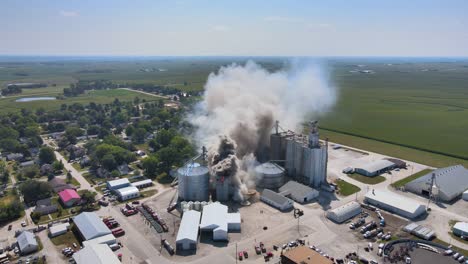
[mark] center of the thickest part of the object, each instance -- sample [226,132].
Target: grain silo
[194,182]
[269,175]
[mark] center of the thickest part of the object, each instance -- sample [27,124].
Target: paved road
[142,92]
[75,173]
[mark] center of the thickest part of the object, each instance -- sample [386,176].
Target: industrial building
[394,203]
[117,184]
[96,254]
[448,183]
[106,239]
[269,175]
[69,197]
[27,243]
[276,200]
[465,195]
[187,236]
[90,226]
[57,230]
[419,231]
[298,192]
[303,255]
[194,182]
[460,229]
[375,168]
[344,212]
[142,184]
[127,193]
[305,158]
[216,219]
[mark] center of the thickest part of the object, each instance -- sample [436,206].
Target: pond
[31,99]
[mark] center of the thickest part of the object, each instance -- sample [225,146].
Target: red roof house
[69,197]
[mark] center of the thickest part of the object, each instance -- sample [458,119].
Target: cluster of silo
[194,182]
[190,205]
[269,175]
[305,159]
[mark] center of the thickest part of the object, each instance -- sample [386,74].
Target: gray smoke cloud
[240,106]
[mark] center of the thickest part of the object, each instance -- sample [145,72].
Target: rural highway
[150,94]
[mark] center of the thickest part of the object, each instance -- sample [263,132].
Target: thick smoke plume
[240,106]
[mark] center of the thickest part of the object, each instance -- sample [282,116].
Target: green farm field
[98,96]
[411,108]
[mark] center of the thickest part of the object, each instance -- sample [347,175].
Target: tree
[108,162]
[87,199]
[35,216]
[30,172]
[57,165]
[69,177]
[150,166]
[138,136]
[33,190]
[50,177]
[46,155]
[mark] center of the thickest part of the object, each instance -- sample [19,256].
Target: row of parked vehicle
[111,223]
[156,217]
[370,230]
[455,255]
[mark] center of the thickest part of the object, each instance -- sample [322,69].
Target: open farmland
[406,108]
[98,96]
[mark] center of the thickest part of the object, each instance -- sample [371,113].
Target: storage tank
[196,206]
[194,181]
[269,175]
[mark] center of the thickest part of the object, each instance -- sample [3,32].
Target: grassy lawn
[77,166]
[366,179]
[65,240]
[74,182]
[410,178]
[457,249]
[346,188]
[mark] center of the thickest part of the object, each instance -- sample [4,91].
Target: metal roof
[452,181]
[214,217]
[127,191]
[123,181]
[275,197]
[345,209]
[26,239]
[90,225]
[269,168]
[59,228]
[143,182]
[394,200]
[461,226]
[189,226]
[193,169]
[96,254]
[297,191]
[376,166]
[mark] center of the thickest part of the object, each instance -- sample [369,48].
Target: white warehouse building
[217,220]
[298,192]
[117,184]
[276,200]
[395,203]
[375,168]
[344,212]
[187,236]
[460,229]
[449,183]
[127,193]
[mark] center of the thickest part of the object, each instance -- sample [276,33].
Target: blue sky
[217,27]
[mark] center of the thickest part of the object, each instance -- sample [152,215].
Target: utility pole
[235,255]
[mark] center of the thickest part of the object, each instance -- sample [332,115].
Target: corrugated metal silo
[269,175]
[194,181]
